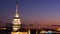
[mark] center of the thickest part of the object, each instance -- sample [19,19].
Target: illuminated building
[16,24]
[16,20]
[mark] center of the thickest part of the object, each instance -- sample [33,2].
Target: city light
[19,33]
[43,32]
[58,29]
[3,28]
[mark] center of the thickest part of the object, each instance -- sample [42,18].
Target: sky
[31,11]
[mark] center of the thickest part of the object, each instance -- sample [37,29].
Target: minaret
[16,20]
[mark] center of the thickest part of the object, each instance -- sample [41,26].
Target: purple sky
[31,11]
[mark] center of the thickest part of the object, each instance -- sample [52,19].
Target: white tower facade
[16,20]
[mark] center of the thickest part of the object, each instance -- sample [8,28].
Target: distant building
[16,20]
[17,24]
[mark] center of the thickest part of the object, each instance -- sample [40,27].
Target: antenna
[16,6]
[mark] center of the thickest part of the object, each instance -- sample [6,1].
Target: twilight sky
[31,11]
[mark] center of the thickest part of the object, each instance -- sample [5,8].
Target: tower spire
[16,6]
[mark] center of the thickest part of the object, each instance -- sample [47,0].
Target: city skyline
[31,11]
